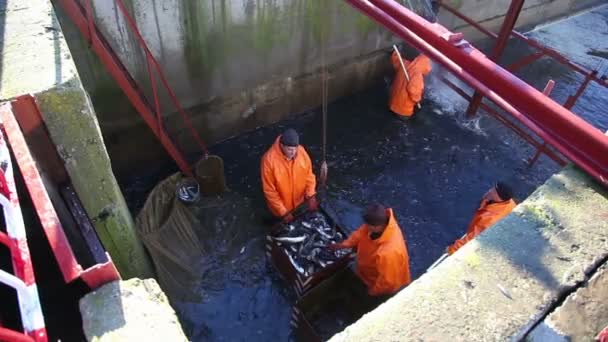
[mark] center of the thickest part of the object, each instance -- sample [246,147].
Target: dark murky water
[432,170]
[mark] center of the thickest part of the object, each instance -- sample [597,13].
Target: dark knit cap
[290,138]
[504,191]
[375,215]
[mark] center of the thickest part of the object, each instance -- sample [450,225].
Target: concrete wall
[245,63]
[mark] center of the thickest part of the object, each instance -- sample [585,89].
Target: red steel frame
[576,139]
[542,51]
[94,276]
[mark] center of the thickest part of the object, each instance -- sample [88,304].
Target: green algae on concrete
[73,127]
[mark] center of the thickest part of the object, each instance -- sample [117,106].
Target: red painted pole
[572,136]
[501,42]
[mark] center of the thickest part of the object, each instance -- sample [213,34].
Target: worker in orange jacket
[287,177]
[382,258]
[406,94]
[495,204]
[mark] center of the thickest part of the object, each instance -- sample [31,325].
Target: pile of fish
[305,242]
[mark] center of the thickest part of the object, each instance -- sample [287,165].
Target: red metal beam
[501,43]
[546,50]
[121,75]
[14,336]
[62,250]
[585,145]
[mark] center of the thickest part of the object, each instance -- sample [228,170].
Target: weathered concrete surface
[33,54]
[133,310]
[36,60]
[582,315]
[496,285]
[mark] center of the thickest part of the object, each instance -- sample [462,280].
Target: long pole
[407,76]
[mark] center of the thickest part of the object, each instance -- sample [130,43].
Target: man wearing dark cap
[382,258]
[495,204]
[287,177]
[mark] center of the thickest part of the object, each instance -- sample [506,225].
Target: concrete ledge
[133,310]
[582,315]
[506,279]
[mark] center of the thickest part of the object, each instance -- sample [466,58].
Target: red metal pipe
[576,139]
[14,336]
[548,51]
[501,43]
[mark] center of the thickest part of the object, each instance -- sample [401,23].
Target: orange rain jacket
[405,95]
[382,264]
[485,216]
[286,183]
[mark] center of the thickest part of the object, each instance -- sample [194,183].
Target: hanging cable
[324,95]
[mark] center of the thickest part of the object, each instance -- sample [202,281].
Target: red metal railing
[83,18]
[580,142]
[15,238]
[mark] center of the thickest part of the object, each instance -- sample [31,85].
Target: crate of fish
[299,250]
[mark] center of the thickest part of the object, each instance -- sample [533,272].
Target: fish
[287,239]
[295,265]
[305,242]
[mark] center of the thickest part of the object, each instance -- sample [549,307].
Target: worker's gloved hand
[313,203]
[288,218]
[334,246]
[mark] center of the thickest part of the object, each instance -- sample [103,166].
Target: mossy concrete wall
[245,63]
[509,278]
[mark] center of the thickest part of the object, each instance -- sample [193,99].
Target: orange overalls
[382,264]
[485,216]
[286,183]
[405,95]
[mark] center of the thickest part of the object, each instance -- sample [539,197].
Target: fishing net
[167,228]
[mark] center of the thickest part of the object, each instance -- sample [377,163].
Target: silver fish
[324,234]
[306,225]
[296,239]
[295,265]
